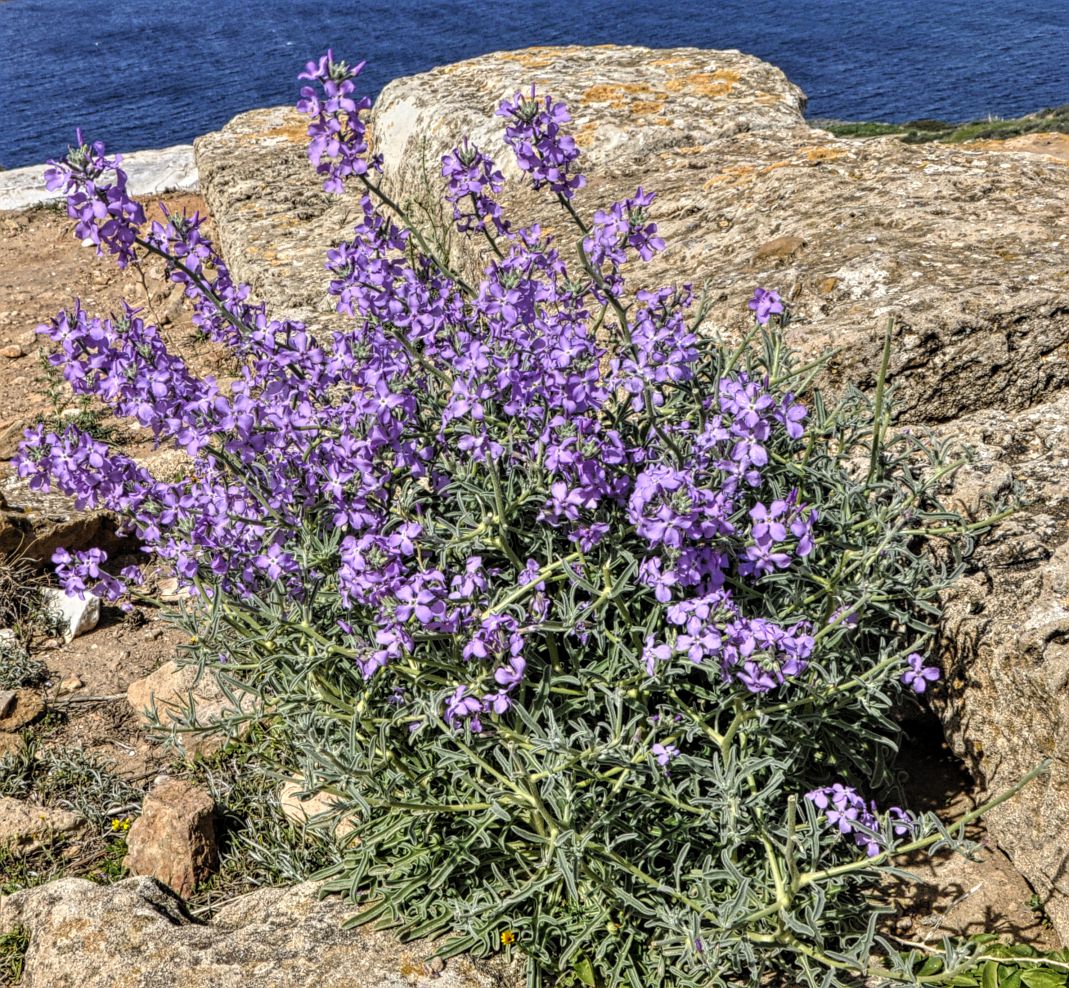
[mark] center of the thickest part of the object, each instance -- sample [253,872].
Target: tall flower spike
[474,180]
[339,136]
[105,214]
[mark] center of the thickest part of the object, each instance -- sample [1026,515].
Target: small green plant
[20,871]
[927,130]
[70,778]
[108,867]
[25,617]
[13,946]
[18,668]
[259,846]
[992,964]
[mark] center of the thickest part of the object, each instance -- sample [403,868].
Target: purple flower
[542,148]
[461,708]
[848,813]
[664,753]
[474,181]
[81,572]
[765,304]
[918,675]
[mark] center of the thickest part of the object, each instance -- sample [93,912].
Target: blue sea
[149,74]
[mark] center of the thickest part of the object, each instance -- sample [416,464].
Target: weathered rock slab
[173,694]
[19,708]
[151,173]
[136,934]
[964,247]
[33,524]
[1005,639]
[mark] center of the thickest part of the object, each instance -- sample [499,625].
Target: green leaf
[1038,978]
[584,971]
[989,977]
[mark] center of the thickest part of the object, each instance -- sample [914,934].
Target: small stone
[302,811]
[77,616]
[170,591]
[70,684]
[170,691]
[782,248]
[173,840]
[26,827]
[20,708]
[12,352]
[10,744]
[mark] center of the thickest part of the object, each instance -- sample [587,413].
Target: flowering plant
[591,621]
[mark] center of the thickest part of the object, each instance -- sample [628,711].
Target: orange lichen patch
[691,149]
[586,134]
[718,83]
[823,153]
[736,175]
[641,108]
[608,93]
[828,285]
[775,166]
[295,131]
[766,99]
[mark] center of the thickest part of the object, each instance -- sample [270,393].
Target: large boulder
[137,934]
[964,247]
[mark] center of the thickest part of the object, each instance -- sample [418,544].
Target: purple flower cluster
[339,136]
[105,214]
[769,528]
[473,182]
[503,398]
[543,150]
[756,652]
[622,227]
[80,573]
[848,813]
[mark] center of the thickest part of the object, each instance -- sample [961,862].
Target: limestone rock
[151,172]
[78,615]
[173,692]
[964,247]
[1005,641]
[34,524]
[137,934]
[26,827]
[173,840]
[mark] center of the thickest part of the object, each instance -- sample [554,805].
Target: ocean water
[149,74]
